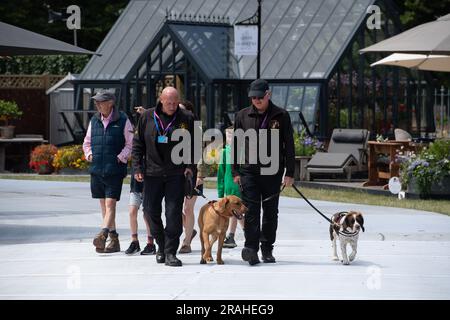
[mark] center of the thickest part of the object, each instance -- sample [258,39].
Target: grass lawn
[354,196]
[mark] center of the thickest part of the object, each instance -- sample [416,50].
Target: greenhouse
[309,54]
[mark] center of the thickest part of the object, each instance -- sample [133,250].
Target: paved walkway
[46,230]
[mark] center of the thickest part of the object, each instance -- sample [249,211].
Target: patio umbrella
[428,38]
[417,61]
[16,41]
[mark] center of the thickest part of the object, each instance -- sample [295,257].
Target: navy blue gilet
[106,146]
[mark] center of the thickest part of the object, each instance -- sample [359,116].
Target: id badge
[163,139]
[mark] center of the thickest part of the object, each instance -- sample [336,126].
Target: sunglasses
[258,98]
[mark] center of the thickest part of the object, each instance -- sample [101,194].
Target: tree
[415,12]
[97,18]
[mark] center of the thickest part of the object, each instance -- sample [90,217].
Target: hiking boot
[114,245]
[229,242]
[250,255]
[267,256]
[149,249]
[172,260]
[100,242]
[133,248]
[185,248]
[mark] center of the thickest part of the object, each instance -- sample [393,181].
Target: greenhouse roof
[300,39]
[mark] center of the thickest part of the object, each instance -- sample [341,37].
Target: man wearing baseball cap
[107,146]
[255,184]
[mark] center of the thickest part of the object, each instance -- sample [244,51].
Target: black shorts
[106,187]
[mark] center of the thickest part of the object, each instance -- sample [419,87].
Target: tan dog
[213,221]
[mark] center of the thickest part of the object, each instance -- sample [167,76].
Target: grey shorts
[136,199]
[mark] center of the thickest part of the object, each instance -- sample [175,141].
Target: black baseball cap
[258,88]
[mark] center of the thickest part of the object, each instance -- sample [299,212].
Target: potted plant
[427,174]
[41,158]
[305,148]
[8,110]
[70,160]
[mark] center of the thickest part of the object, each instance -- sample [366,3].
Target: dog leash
[343,232]
[246,199]
[312,206]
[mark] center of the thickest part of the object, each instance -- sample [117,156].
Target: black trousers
[255,189]
[171,189]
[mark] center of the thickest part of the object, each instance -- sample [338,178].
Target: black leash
[264,200]
[312,206]
[343,232]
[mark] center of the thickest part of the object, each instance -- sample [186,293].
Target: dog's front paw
[345,262]
[202,261]
[209,259]
[335,258]
[220,261]
[352,256]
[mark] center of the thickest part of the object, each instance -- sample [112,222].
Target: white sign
[74,21]
[394,185]
[245,40]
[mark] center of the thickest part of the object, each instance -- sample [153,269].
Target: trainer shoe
[149,249]
[133,248]
[229,242]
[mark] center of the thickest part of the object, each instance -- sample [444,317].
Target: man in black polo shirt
[256,185]
[162,177]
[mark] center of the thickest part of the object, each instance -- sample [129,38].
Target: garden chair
[347,153]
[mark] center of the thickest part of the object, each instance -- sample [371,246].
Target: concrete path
[46,252]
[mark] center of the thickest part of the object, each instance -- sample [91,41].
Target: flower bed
[427,172]
[70,157]
[41,158]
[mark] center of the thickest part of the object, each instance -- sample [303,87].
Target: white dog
[346,227]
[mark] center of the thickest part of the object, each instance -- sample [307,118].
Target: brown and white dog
[346,227]
[213,223]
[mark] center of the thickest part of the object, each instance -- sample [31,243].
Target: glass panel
[310,105]
[294,34]
[302,42]
[273,31]
[236,9]
[279,93]
[268,25]
[206,45]
[317,39]
[295,96]
[325,25]
[221,8]
[139,34]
